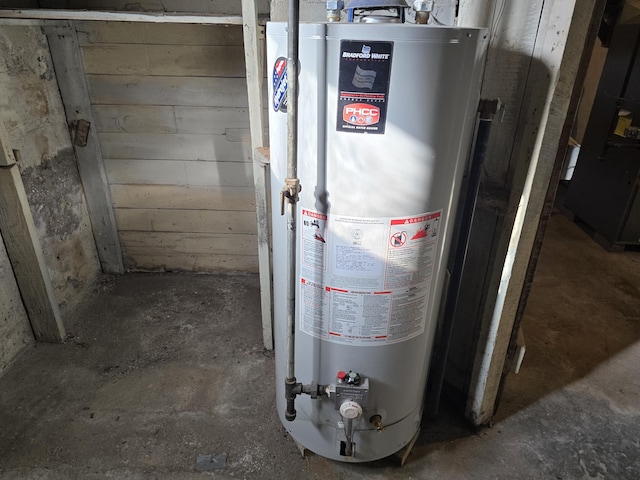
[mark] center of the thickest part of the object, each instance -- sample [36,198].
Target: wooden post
[254,61]
[254,58]
[74,91]
[24,250]
[560,41]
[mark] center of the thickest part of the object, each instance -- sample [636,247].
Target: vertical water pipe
[290,192]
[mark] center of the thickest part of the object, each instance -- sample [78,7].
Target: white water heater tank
[386,118]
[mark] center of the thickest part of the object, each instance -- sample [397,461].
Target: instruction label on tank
[363,86]
[373,283]
[313,308]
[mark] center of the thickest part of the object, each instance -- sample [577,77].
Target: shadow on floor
[583,310]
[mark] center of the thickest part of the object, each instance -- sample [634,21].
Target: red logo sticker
[361,114]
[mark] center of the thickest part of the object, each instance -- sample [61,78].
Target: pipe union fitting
[333,16]
[423,5]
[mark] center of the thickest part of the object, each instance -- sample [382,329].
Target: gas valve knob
[353,378]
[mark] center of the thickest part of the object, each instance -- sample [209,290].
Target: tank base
[399,457]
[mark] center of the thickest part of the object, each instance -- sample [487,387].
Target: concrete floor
[161,368]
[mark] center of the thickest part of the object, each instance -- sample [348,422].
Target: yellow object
[624,122]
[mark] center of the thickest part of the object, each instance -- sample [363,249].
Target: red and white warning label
[411,250]
[366,281]
[314,243]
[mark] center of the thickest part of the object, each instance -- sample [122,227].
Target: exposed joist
[96,15]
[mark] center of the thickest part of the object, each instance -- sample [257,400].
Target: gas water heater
[385,121]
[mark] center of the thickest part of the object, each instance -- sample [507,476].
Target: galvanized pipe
[293,29]
[291,190]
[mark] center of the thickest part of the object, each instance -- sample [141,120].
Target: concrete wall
[310,10]
[15,332]
[34,117]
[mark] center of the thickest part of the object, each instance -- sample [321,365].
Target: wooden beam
[25,253]
[260,176]
[254,61]
[96,15]
[515,351]
[513,30]
[558,49]
[74,91]
[92,33]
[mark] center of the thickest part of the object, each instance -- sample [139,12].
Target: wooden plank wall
[171,111]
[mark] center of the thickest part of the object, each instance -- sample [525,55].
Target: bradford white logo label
[366,53]
[361,114]
[363,86]
[280,85]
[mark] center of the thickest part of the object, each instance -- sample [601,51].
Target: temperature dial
[350,410]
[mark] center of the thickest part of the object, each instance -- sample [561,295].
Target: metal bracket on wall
[80,132]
